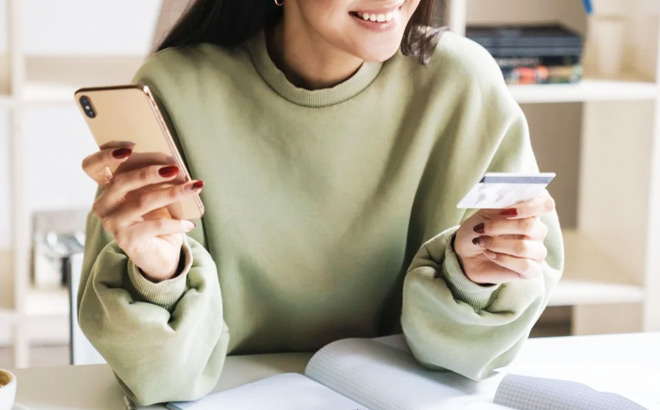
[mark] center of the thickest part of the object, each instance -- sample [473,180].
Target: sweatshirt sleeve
[160,351]
[450,322]
[164,341]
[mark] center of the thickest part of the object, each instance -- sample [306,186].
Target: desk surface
[94,386]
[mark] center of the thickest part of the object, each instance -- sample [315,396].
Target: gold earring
[279,3]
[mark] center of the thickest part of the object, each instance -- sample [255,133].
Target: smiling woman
[334,139]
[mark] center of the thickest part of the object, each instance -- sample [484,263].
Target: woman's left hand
[501,245]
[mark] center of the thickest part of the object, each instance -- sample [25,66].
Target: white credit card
[498,190]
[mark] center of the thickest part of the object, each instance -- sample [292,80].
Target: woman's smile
[378,19]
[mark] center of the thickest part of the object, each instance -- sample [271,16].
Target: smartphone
[498,190]
[127,116]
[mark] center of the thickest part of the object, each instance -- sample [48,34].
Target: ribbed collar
[309,98]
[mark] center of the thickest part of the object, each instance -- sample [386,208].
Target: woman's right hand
[133,209]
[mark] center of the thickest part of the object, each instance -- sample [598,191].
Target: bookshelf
[87,43]
[607,158]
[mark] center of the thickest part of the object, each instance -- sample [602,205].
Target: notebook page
[381,377]
[289,391]
[634,381]
[536,393]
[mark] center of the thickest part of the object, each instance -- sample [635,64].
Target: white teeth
[380,18]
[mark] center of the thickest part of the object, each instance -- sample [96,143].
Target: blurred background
[586,75]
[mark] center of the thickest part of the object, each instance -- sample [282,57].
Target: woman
[331,164]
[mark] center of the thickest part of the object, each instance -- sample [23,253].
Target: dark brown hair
[230,22]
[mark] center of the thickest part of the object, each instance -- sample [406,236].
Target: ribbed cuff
[167,292]
[477,296]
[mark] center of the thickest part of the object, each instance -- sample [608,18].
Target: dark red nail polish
[122,153]
[509,212]
[169,171]
[480,228]
[198,185]
[476,240]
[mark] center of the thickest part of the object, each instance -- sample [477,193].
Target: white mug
[7,389]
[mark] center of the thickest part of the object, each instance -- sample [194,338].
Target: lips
[380,10]
[378,16]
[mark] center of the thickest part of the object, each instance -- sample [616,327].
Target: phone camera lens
[87,107]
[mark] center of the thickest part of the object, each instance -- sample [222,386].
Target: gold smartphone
[128,116]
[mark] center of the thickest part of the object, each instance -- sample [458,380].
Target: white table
[94,386]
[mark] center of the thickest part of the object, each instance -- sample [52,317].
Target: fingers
[97,165]
[123,183]
[541,205]
[532,228]
[519,248]
[150,201]
[134,237]
[525,268]
[507,243]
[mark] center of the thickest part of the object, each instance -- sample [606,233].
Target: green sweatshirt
[329,214]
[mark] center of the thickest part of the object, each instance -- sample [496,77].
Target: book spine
[515,61]
[527,41]
[503,52]
[541,74]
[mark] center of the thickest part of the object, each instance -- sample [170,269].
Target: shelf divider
[20,219]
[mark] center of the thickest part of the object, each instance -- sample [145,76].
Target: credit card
[498,190]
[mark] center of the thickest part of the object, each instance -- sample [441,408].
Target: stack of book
[533,54]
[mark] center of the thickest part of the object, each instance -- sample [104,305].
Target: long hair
[229,23]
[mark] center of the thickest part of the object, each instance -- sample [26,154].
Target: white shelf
[590,277]
[5,100]
[53,91]
[46,320]
[576,292]
[7,314]
[42,85]
[586,90]
[46,83]
[47,302]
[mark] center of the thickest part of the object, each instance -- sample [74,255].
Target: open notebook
[353,374]
[381,374]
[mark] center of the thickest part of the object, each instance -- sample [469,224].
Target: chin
[378,55]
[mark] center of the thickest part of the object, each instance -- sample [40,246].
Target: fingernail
[122,153]
[509,212]
[197,186]
[481,228]
[190,225]
[169,171]
[476,241]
